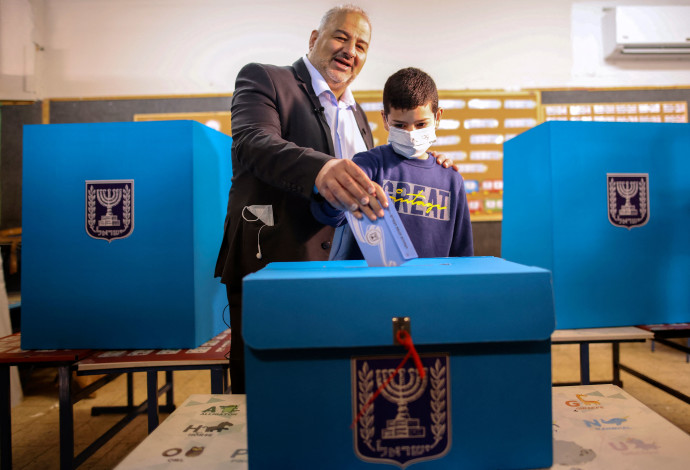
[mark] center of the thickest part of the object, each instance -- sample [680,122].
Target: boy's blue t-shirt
[430,200]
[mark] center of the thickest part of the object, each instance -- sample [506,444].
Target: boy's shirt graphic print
[419,200]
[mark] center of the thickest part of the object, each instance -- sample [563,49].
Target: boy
[430,199]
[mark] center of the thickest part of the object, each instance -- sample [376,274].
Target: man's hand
[345,186]
[374,206]
[444,161]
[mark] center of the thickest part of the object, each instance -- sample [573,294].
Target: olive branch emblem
[91,207]
[643,197]
[127,208]
[612,199]
[366,390]
[438,401]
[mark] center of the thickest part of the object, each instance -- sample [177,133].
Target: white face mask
[412,144]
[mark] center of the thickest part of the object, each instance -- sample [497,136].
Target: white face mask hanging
[263,214]
[412,144]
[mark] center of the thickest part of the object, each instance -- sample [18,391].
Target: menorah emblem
[627,189]
[109,198]
[410,413]
[109,208]
[407,386]
[628,199]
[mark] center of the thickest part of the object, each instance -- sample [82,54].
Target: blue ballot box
[121,228]
[319,343]
[606,208]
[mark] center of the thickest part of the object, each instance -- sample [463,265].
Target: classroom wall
[17,50]
[61,51]
[88,48]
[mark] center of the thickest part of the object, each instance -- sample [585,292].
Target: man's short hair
[337,10]
[408,89]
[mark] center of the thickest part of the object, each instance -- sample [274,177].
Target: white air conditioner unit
[647,32]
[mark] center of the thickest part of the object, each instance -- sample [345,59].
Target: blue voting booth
[605,207]
[319,342]
[121,227]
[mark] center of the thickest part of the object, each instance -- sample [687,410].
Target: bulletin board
[472,131]
[123,109]
[649,111]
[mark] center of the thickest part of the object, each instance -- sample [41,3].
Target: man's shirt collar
[320,86]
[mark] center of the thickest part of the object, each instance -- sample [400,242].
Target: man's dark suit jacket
[280,142]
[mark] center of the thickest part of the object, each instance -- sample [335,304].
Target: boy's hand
[345,186]
[444,161]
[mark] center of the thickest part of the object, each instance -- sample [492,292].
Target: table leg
[584,363]
[66,418]
[226,379]
[616,354]
[217,380]
[130,389]
[152,394]
[5,418]
[169,402]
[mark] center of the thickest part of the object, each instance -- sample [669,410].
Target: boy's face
[412,119]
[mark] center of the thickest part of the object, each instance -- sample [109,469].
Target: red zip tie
[405,339]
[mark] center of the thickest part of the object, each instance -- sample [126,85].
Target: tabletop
[620,333]
[213,351]
[12,353]
[595,427]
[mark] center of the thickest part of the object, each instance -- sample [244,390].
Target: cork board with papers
[659,111]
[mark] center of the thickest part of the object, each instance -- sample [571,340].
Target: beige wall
[162,47]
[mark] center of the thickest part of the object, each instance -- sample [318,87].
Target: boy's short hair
[408,89]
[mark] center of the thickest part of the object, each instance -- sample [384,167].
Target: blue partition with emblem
[320,341]
[605,207]
[121,227]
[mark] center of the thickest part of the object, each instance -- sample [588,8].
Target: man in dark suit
[285,138]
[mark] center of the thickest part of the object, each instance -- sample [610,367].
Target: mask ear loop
[258,236]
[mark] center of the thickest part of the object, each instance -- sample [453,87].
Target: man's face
[340,50]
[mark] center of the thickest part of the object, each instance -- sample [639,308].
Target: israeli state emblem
[109,208]
[628,199]
[409,421]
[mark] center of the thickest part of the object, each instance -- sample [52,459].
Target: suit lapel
[304,81]
[363,125]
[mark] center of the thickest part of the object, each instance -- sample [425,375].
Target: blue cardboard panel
[529,202]
[309,325]
[212,173]
[347,304]
[299,408]
[556,217]
[152,289]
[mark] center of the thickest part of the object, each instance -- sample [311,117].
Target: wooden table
[603,427]
[663,333]
[205,432]
[64,360]
[595,427]
[586,336]
[212,356]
